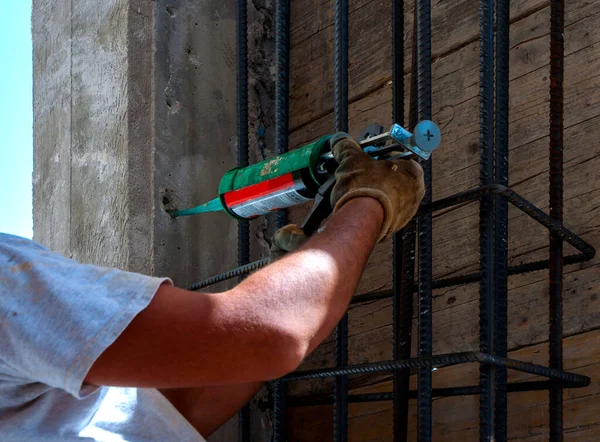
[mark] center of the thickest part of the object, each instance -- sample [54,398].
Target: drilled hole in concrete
[172,10]
[166,201]
[170,102]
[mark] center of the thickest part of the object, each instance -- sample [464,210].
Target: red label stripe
[237,197]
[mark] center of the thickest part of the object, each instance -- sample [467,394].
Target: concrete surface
[51,35]
[195,124]
[83,108]
[134,113]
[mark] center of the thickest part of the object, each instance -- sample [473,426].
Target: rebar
[279,431]
[341,14]
[424,223]
[486,218]
[557,18]
[282,86]
[403,249]
[493,195]
[282,100]
[587,251]
[446,360]
[471,390]
[242,118]
[242,161]
[501,214]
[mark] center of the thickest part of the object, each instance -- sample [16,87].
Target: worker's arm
[211,352]
[258,331]
[208,408]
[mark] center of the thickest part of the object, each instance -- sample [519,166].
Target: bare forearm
[258,331]
[312,287]
[208,408]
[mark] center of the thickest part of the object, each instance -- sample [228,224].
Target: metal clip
[425,139]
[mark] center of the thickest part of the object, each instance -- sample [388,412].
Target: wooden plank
[456,166]
[456,328]
[456,419]
[457,230]
[455,92]
[455,104]
[372,330]
[454,24]
[309,17]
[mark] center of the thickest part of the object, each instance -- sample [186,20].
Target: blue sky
[16,118]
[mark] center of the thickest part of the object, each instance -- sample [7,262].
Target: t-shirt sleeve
[58,316]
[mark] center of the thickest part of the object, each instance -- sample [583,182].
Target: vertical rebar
[341,12]
[242,160]
[486,218]
[244,424]
[557,14]
[282,85]
[340,84]
[279,430]
[424,381]
[501,218]
[403,249]
[403,287]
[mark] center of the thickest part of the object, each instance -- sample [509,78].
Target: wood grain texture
[456,419]
[455,108]
[454,24]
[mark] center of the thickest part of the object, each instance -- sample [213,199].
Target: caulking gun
[307,173]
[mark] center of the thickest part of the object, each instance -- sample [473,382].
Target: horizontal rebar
[587,251]
[443,360]
[470,390]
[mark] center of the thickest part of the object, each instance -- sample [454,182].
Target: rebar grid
[493,195]
[242,161]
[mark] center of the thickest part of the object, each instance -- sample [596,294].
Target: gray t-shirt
[56,318]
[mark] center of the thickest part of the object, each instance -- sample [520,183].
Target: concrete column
[134,113]
[92,136]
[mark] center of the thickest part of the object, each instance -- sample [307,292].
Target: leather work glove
[398,185]
[287,239]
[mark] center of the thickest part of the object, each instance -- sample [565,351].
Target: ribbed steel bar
[522,204]
[557,53]
[587,251]
[340,421]
[242,160]
[279,429]
[403,257]
[573,380]
[471,390]
[437,284]
[501,214]
[244,424]
[424,379]
[233,273]
[486,218]
[242,118]
[340,85]
[341,63]
[282,86]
